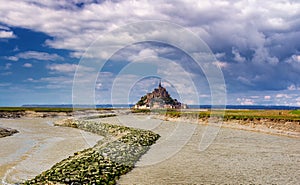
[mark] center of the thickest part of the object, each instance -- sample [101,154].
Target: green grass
[297,112]
[275,115]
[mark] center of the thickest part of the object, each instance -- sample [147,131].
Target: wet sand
[234,157]
[37,147]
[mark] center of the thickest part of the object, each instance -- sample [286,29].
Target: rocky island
[159,99]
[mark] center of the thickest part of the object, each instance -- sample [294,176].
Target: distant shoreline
[126,106]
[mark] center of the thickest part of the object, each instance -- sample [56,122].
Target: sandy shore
[234,157]
[37,147]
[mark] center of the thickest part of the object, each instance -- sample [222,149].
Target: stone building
[159,98]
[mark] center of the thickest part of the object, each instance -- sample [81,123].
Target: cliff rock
[159,98]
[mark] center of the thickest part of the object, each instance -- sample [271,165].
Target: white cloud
[81,26]
[7,66]
[37,55]
[293,59]
[245,101]
[221,64]
[143,54]
[283,96]
[7,34]
[4,28]
[62,68]
[256,34]
[27,65]
[12,58]
[237,56]
[30,80]
[220,55]
[293,87]
[267,97]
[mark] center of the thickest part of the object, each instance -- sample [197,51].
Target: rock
[105,162]
[7,132]
[159,98]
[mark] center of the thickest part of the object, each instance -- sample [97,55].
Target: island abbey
[159,99]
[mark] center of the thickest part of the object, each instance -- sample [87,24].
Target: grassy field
[295,112]
[288,115]
[292,115]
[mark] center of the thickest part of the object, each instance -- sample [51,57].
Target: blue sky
[255,44]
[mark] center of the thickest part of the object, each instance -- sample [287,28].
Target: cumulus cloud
[201,16]
[293,87]
[35,55]
[283,96]
[145,53]
[63,68]
[245,101]
[6,34]
[256,41]
[27,65]
[237,56]
[293,59]
[220,64]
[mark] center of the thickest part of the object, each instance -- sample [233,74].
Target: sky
[89,51]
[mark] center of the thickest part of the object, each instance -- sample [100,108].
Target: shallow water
[37,147]
[234,157]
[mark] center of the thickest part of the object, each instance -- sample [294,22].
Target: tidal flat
[234,157]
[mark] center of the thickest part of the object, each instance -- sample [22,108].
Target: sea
[251,107]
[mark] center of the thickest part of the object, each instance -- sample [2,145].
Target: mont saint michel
[159,98]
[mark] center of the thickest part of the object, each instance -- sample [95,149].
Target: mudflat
[234,157]
[37,147]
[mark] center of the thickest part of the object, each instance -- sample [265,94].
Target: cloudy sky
[255,44]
